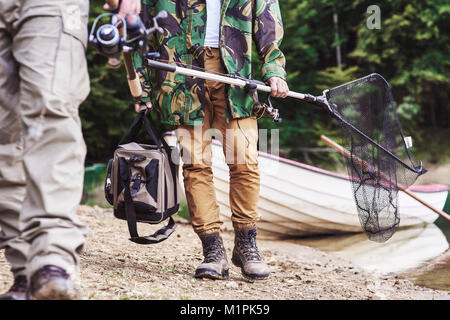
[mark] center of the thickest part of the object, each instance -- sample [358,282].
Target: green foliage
[183,212]
[334,76]
[411,50]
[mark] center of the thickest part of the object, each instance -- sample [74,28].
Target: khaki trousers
[239,140]
[43,79]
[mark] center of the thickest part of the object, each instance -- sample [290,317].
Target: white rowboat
[298,200]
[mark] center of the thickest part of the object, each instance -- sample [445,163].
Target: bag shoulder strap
[136,126]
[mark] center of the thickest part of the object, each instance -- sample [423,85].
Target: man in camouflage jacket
[197,105]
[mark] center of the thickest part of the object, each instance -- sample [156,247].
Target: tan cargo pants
[43,79]
[239,140]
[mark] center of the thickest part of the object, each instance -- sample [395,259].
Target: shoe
[247,256]
[18,290]
[215,265]
[52,283]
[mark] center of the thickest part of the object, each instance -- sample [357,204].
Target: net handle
[315,100]
[222,78]
[364,164]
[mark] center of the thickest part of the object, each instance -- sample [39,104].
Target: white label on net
[408,142]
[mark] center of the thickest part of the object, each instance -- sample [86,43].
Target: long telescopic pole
[223,79]
[261,87]
[320,100]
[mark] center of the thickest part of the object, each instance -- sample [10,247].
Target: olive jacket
[181,99]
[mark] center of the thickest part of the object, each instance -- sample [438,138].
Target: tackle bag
[142,182]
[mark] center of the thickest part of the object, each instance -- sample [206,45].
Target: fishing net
[378,158]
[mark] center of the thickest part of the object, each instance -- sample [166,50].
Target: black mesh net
[378,159]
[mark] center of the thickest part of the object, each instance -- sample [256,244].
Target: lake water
[438,277]
[408,251]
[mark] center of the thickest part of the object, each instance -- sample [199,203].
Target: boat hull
[298,200]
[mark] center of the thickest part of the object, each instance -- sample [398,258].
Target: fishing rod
[111,40]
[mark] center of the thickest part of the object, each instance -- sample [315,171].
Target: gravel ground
[112,267]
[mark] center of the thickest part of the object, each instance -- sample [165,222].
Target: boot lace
[247,243]
[213,250]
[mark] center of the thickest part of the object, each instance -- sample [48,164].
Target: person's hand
[279,87]
[147,106]
[126,7]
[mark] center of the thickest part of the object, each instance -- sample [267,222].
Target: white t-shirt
[212,23]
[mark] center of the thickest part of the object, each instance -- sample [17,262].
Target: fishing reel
[111,40]
[108,40]
[262,110]
[123,35]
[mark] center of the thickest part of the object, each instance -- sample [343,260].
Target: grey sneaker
[18,290]
[52,283]
[215,265]
[247,256]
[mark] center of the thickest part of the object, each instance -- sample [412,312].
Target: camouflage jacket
[181,99]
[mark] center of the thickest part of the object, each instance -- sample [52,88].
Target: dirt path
[112,267]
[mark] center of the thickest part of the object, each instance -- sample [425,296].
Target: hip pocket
[71,79]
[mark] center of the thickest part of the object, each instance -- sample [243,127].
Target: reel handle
[161,15]
[265,111]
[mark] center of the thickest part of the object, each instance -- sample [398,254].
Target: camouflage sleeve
[268,34]
[144,74]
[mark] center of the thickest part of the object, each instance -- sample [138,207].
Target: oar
[364,164]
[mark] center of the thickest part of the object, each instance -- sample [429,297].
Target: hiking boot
[52,283]
[18,290]
[215,265]
[247,256]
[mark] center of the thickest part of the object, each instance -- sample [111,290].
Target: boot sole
[211,274]
[237,262]
[12,297]
[52,291]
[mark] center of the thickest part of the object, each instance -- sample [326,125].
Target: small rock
[379,296]
[232,285]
